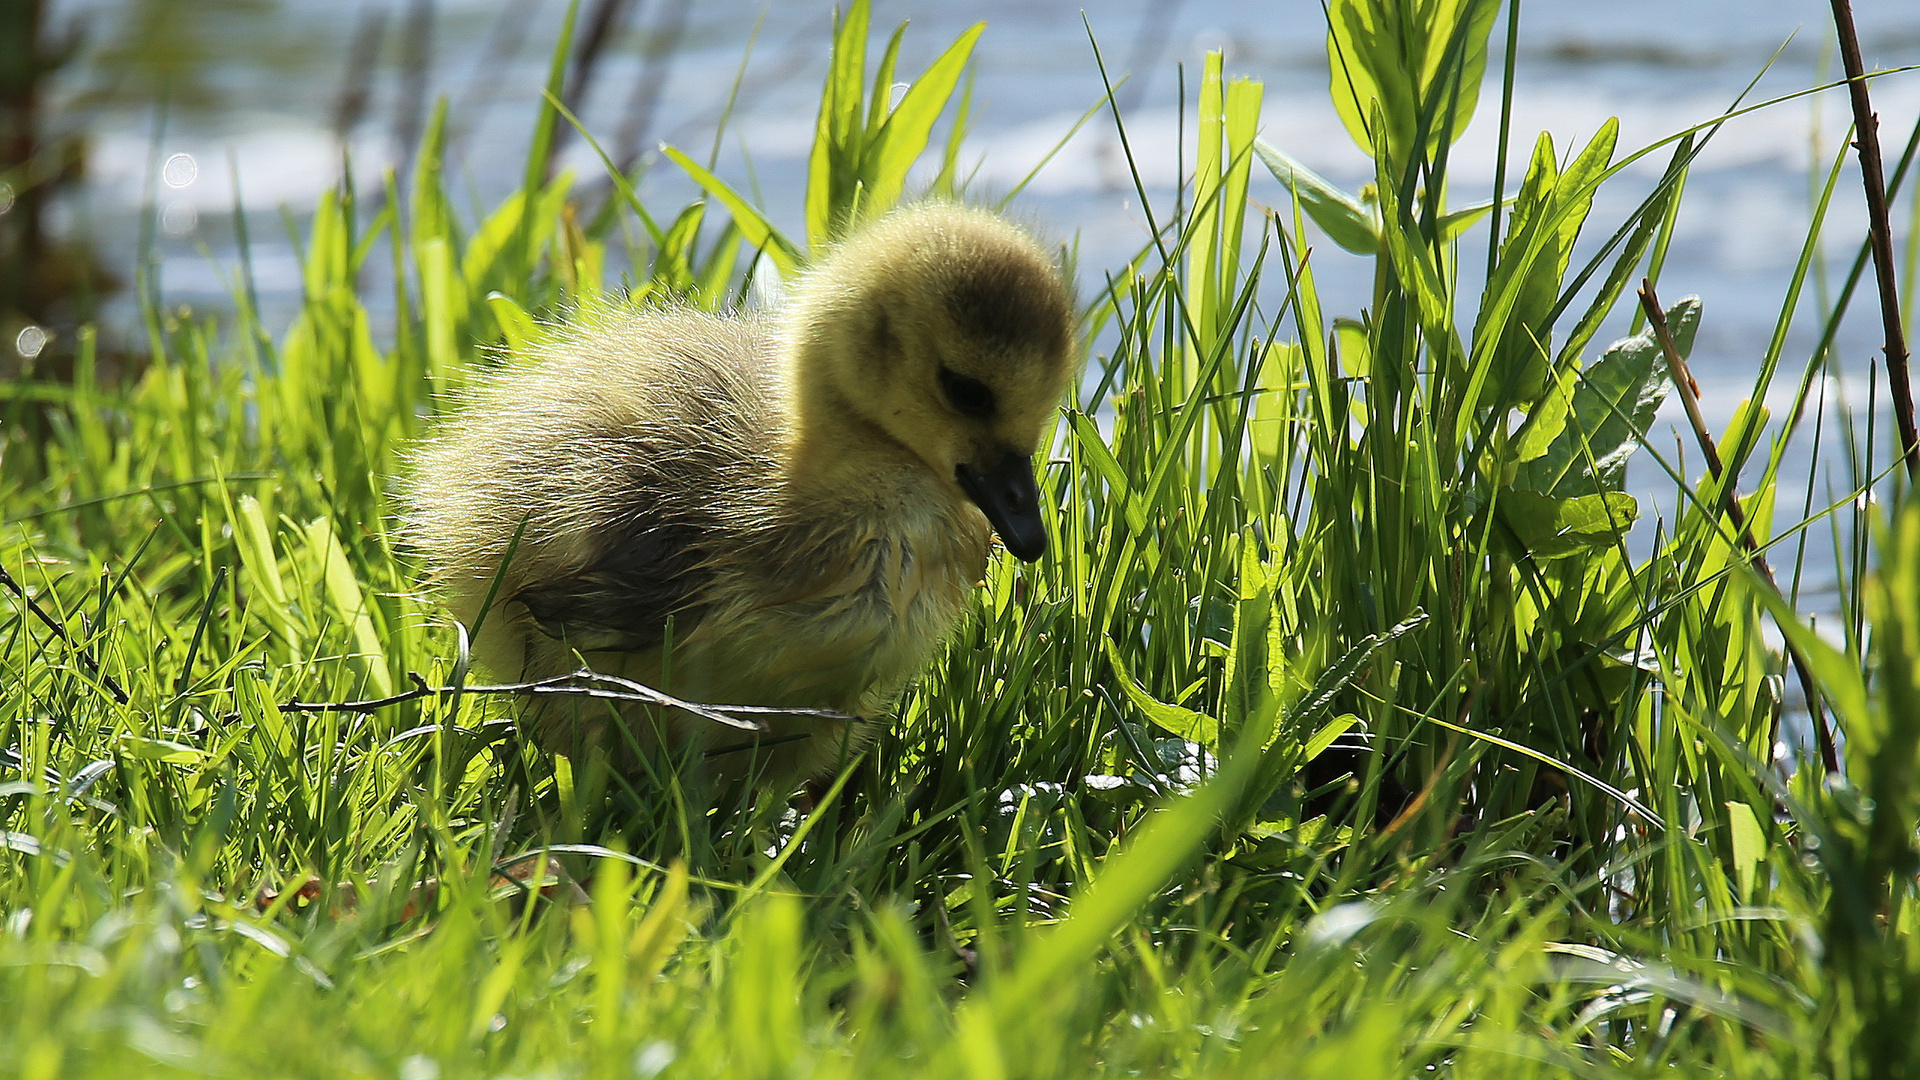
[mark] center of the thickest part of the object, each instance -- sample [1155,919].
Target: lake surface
[1658,66]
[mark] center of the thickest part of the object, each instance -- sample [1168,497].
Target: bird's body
[775,510]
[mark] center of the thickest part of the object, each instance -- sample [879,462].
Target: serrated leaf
[1610,412]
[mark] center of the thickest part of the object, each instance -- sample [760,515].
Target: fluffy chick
[801,499]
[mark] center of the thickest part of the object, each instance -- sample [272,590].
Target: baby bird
[783,510]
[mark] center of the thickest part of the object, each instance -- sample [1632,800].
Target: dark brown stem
[1866,139]
[657,62]
[604,22]
[356,89]
[1690,397]
[416,62]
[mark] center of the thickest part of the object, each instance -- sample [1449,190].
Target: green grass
[1340,735]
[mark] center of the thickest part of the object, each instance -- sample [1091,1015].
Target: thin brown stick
[1690,397]
[1866,139]
[60,631]
[598,685]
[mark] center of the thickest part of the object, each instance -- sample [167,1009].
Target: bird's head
[950,331]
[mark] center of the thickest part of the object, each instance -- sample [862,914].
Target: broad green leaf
[1611,410]
[1192,726]
[839,135]
[516,325]
[1416,61]
[665,926]
[1513,333]
[1549,528]
[1455,222]
[1281,378]
[673,266]
[443,307]
[1229,115]
[1355,346]
[1746,426]
[1547,418]
[712,281]
[540,148]
[507,232]
[1242,117]
[1655,210]
[1343,217]
[431,216]
[255,539]
[1325,737]
[880,99]
[903,137]
[1413,262]
[1247,659]
[1683,322]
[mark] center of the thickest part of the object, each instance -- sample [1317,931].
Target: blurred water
[1658,66]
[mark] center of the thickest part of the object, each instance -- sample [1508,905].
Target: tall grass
[1342,735]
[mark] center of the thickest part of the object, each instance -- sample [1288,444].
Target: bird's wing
[675,444]
[625,600]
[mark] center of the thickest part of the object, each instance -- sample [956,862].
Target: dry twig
[598,685]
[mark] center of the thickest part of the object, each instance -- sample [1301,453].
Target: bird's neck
[832,449]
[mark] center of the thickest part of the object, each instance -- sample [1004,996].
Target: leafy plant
[1345,734]
[865,144]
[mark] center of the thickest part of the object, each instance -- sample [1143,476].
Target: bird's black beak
[1011,500]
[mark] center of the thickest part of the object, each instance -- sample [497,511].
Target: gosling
[785,510]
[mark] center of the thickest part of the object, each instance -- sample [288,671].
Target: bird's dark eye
[970,396]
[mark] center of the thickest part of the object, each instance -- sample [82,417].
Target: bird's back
[608,465]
